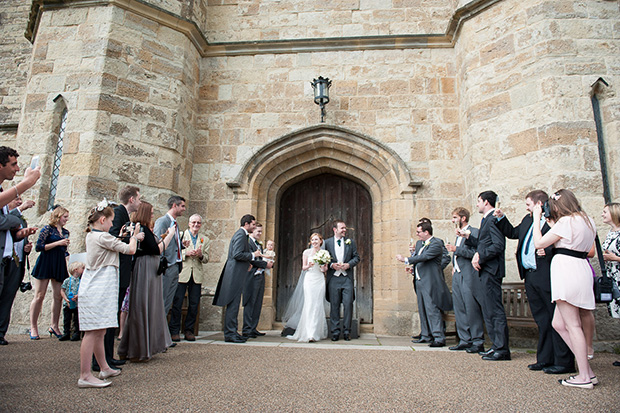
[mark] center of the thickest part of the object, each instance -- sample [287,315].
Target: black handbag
[603,285]
[163,264]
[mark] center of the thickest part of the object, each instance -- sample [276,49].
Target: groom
[340,279]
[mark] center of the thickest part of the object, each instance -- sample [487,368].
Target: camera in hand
[128,228]
[23,287]
[546,209]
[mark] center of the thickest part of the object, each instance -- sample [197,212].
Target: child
[269,254]
[98,302]
[69,293]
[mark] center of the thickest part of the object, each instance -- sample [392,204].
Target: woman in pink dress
[572,236]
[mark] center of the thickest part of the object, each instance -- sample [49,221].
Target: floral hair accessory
[556,196]
[102,205]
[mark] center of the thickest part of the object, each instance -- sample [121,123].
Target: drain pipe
[597,87]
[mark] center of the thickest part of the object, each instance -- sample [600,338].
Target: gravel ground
[272,374]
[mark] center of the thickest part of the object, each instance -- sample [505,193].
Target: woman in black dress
[51,265]
[146,330]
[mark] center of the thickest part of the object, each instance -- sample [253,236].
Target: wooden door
[311,206]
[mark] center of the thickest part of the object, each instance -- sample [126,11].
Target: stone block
[132,90]
[566,133]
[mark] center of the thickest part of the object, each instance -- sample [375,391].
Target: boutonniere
[202,240]
[348,241]
[427,242]
[259,243]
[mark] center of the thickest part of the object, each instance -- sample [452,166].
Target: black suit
[253,291]
[490,247]
[121,217]
[552,350]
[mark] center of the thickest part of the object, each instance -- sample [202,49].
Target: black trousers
[493,311]
[68,315]
[340,291]
[551,348]
[193,298]
[10,279]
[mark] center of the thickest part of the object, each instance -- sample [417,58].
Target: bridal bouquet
[322,257]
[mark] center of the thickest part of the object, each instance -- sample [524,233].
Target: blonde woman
[572,236]
[51,265]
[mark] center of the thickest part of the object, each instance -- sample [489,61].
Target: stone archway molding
[319,148]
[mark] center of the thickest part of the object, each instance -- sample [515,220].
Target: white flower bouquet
[321,257]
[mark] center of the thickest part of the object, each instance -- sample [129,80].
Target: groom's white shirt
[339,249]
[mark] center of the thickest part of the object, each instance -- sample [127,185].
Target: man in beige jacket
[190,279]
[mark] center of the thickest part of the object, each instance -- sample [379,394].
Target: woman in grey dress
[146,330]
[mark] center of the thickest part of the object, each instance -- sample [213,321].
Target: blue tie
[528,242]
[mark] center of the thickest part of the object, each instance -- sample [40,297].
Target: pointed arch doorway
[310,206]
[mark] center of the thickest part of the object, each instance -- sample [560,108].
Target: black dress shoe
[335,338]
[459,347]
[115,362]
[172,345]
[616,363]
[486,353]
[437,344]
[3,342]
[419,336]
[347,337]
[475,350]
[248,335]
[421,340]
[258,333]
[497,355]
[64,337]
[537,366]
[234,340]
[559,370]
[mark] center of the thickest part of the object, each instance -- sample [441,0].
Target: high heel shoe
[52,332]
[33,337]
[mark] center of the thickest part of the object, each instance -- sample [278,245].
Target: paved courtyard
[273,374]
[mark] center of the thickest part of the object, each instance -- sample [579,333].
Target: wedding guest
[69,292]
[176,207]
[611,254]
[190,279]
[98,291]
[51,265]
[9,224]
[572,235]
[130,201]
[146,330]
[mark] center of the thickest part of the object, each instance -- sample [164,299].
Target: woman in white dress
[572,235]
[305,311]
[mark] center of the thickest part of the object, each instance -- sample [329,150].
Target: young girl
[98,306]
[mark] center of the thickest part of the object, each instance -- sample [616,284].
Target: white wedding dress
[306,310]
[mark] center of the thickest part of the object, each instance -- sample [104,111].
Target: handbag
[603,285]
[163,264]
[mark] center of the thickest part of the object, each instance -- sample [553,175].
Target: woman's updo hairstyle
[97,212]
[312,236]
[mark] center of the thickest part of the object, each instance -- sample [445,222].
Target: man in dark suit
[10,232]
[254,288]
[234,275]
[339,279]
[433,293]
[553,355]
[130,201]
[489,262]
[467,292]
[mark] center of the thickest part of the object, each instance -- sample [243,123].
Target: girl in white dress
[98,291]
[572,235]
[306,309]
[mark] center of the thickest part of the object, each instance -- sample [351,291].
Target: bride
[305,312]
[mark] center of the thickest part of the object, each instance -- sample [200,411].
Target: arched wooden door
[311,206]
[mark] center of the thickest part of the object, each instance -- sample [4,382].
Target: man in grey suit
[176,207]
[467,293]
[10,232]
[339,280]
[254,288]
[234,275]
[433,293]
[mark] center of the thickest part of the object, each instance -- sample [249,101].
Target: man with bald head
[190,280]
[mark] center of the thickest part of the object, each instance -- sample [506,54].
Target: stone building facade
[432,102]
